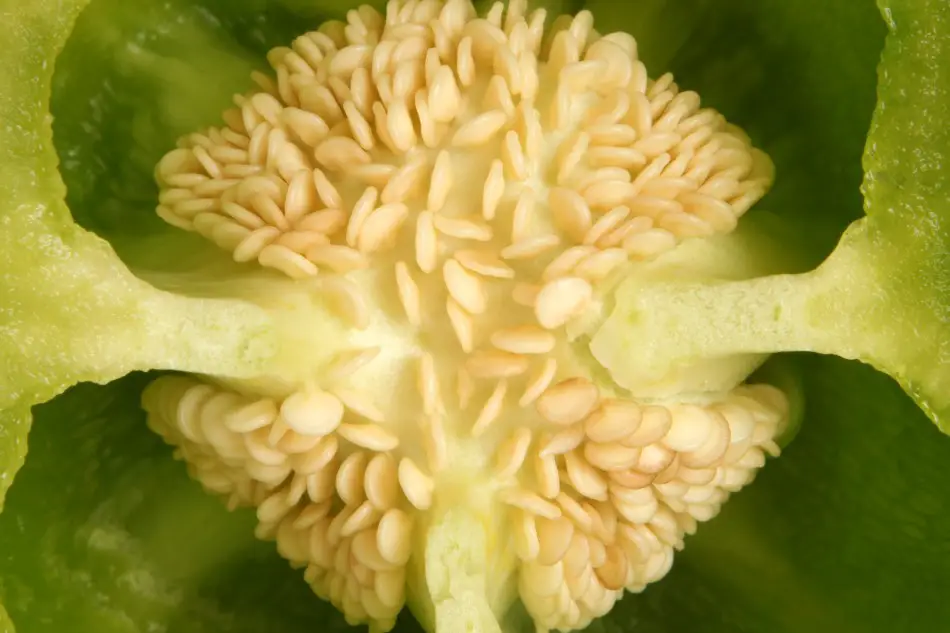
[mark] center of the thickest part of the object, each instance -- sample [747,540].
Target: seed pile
[333,493]
[614,494]
[599,500]
[371,126]
[482,182]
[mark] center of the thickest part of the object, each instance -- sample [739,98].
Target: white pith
[458,192]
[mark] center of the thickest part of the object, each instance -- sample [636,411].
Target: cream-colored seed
[380,228]
[654,459]
[490,364]
[632,479]
[380,481]
[526,536]
[526,339]
[585,478]
[347,362]
[564,263]
[612,421]
[562,299]
[349,479]
[429,384]
[531,247]
[366,553]
[613,573]
[569,401]
[547,476]
[259,449]
[543,581]
[571,155]
[359,127]
[394,537]
[409,295]
[242,215]
[340,259]
[491,409]
[514,155]
[570,212]
[203,223]
[538,382]
[462,228]
[416,485]
[369,436]
[312,413]
[466,288]
[251,247]
[601,265]
[390,586]
[340,152]
[444,96]
[690,428]
[327,192]
[361,210]
[363,517]
[441,181]
[287,261]
[273,509]
[426,243]
[313,460]
[563,441]
[555,536]
[327,221]
[311,515]
[210,165]
[320,485]
[400,127]
[493,190]
[299,242]
[435,442]
[253,416]
[531,502]
[462,325]
[484,263]
[654,424]
[610,457]
[403,183]
[480,129]
[512,453]
[740,420]
[172,218]
[629,228]
[523,216]
[375,174]
[186,413]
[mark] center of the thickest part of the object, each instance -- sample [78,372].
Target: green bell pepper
[102,532]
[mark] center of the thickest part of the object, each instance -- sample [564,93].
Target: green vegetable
[859,491]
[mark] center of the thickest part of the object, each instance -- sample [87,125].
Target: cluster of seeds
[330,491]
[599,501]
[481,182]
[614,494]
[558,138]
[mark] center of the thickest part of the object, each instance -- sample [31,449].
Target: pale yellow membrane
[462,190]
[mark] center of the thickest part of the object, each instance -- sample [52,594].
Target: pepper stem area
[662,334]
[458,575]
[225,337]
